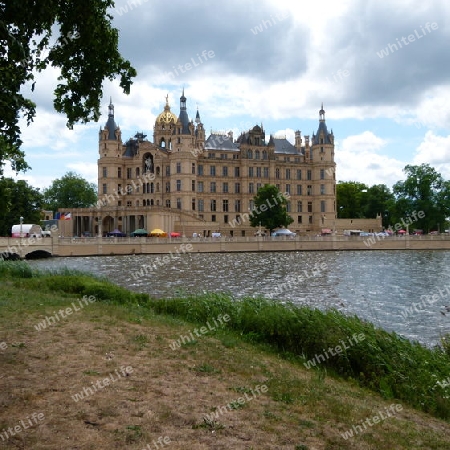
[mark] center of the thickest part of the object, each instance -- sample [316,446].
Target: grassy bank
[189,361]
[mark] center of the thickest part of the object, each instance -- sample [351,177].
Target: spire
[197,117]
[110,124]
[184,118]
[322,135]
[111,108]
[322,113]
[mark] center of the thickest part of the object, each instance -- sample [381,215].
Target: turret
[110,138]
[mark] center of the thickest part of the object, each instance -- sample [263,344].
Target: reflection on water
[375,285]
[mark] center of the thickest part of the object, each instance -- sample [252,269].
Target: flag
[68,216]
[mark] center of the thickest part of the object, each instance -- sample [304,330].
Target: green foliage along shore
[384,362]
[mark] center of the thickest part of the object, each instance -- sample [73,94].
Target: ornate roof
[167,116]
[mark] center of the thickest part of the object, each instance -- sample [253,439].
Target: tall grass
[15,269]
[384,362]
[71,282]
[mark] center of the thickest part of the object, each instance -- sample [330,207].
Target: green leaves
[351,199]
[18,199]
[270,209]
[424,190]
[70,191]
[85,49]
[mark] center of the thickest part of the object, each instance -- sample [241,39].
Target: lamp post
[21,222]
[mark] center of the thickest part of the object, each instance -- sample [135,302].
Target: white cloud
[88,171]
[434,150]
[49,130]
[357,160]
[288,133]
[36,180]
[363,143]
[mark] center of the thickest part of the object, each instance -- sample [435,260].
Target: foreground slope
[212,391]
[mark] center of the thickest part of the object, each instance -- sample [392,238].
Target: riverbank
[200,367]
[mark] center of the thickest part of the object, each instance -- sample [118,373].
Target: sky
[380,67]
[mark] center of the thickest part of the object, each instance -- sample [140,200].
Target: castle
[186,182]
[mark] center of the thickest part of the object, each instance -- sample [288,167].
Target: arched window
[264,154]
[162,143]
[158,170]
[151,202]
[137,172]
[152,188]
[157,187]
[257,154]
[250,154]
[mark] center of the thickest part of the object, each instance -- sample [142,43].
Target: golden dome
[167,116]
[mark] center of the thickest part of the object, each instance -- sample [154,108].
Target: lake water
[375,285]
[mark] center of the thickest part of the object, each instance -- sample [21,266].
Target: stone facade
[186,182]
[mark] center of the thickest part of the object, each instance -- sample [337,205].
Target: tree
[18,199]
[379,200]
[349,199]
[423,190]
[70,191]
[270,209]
[75,36]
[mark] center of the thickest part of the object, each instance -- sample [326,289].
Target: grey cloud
[403,72]
[177,31]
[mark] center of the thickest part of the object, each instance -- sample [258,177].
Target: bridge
[34,248]
[26,248]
